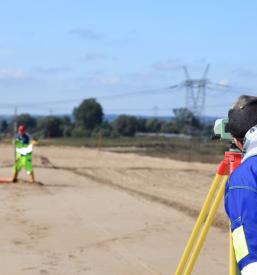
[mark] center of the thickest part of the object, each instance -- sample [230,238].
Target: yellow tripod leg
[233,268]
[206,227]
[198,225]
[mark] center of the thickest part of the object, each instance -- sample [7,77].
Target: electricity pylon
[196,92]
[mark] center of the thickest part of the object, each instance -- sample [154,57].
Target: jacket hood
[250,144]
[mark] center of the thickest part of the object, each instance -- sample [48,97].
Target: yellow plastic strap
[239,242]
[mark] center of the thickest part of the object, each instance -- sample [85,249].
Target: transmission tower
[196,92]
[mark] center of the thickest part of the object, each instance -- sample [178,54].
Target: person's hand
[34,142]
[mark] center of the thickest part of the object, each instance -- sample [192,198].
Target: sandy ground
[105,213]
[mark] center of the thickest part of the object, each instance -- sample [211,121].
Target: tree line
[88,120]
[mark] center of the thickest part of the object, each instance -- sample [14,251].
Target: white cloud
[224,82]
[12,74]
[51,70]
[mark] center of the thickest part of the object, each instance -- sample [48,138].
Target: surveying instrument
[232,158]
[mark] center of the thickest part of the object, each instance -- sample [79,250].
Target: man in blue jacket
[241,187]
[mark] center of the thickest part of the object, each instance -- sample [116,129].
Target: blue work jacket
[241,207]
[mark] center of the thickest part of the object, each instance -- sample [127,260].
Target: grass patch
[194,149]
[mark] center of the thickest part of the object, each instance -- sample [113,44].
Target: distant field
[194,149]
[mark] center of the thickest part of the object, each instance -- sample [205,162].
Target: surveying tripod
[232,159]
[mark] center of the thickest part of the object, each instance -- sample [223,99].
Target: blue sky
[69,50]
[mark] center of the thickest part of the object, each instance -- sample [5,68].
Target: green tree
[106,129]
[52,126]
[169,127]
[80,131]
[125,125]
[26,119]
[3,126]
[153,125]
[67,126]
[88,115]
[141,125]
[186,122]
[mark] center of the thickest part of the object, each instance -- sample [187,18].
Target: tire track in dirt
[192,212]
[219,222]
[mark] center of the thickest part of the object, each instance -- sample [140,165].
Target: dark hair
[242,116]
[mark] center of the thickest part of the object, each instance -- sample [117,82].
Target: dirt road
[105,213]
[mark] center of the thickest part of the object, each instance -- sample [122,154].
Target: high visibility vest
[22,149]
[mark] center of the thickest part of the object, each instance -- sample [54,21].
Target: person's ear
[239,144]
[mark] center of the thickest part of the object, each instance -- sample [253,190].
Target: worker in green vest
[23,148]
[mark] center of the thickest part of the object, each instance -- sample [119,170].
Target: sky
[55,53]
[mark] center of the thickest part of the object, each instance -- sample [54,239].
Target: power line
[155,91]
[195,95]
